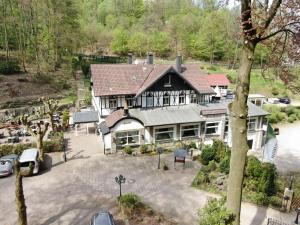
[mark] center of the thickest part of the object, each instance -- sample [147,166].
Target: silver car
[102,218]
[7,165]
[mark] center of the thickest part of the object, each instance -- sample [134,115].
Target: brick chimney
[178,63]
[129,58]
[150,58]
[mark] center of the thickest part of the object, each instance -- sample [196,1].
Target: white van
[29,157]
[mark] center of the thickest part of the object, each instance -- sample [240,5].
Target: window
[168,83]
[164,133]
[112,102]
[181,98]
[127,138]
[226,126]
[251,124]
[129,101]
[194,98]
[190,131]
[166,99]
[212,128]
[149,100]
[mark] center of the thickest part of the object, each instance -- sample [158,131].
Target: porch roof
[85,117]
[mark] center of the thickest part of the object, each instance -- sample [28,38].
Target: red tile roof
[218,80]
[114,117]
[124,79]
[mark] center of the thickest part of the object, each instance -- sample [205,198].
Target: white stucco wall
[147,136]
[107,141]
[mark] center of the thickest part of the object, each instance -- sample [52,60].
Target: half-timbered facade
[145,104]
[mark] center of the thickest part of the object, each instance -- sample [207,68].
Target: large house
[147,103]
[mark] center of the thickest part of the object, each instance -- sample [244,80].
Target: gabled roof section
[196,77]
[125,79]
[218,80]
[118,79]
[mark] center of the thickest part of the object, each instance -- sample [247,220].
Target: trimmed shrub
[128,150]
[208,154]
[267,182]
[9,67]
[6,149]
[289,110]
[215,212]
[253,168]
[259,198]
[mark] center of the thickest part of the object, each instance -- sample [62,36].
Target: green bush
[275,91]
[6,149]
[212,166]
[259,198]
[85,68]
[254,167]
[192,144]
[267,182]
[207,155]
[215,213]
[129,201]
[9,67]
[144,149]
[200,178]
[289,110]
[128,150]
[219,148]
[225,164]
[75,63]
[292,118]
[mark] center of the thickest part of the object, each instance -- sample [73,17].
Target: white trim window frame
[251,124]
[113,102]
[226,128]
[130,101]
[213,126]
[166,99]
[188,129]
[166,132]
[181,98]
[193,97]
[130,137]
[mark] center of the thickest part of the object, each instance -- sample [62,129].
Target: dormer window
[112,102]
[168,83]
[181,98]
[166,99]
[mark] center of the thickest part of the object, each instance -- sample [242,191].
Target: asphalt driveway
[71,192]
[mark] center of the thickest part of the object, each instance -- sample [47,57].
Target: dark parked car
[102,218]
[285,100]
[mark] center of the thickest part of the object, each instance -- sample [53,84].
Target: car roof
[102,218]
[10,156]
[29,155]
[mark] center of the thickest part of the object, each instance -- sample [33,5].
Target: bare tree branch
[287,31]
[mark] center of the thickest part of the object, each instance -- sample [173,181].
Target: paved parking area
[71,192]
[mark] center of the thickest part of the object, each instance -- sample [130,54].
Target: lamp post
[120,180]
[297,216]
[159,151]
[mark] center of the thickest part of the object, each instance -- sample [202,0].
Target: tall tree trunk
[20,200]
[40,147]
[238,111]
